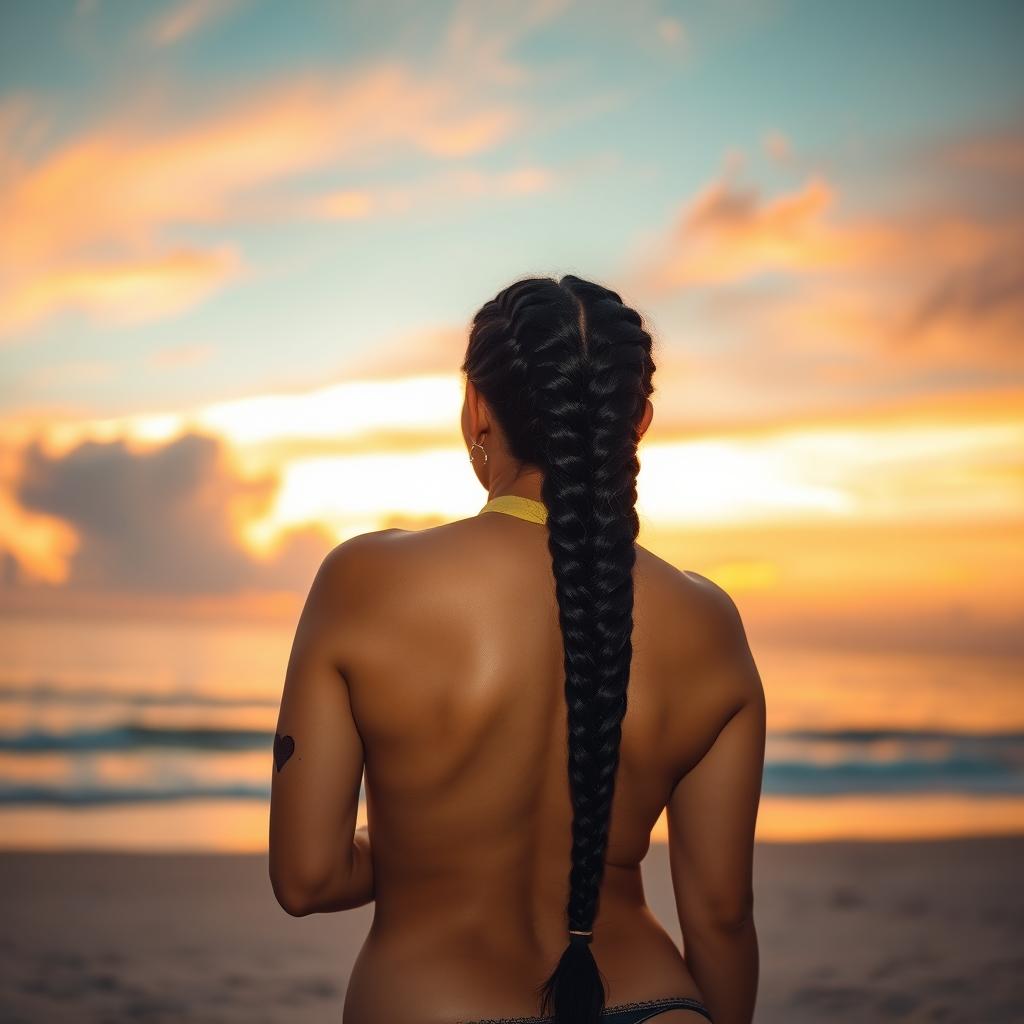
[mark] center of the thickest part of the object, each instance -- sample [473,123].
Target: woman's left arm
[319,861]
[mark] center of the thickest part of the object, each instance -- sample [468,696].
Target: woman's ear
[645,419]
[466,417]
[476,417]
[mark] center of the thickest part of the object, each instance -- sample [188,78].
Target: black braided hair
[565,367]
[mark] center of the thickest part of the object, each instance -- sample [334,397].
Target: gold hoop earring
[481,447]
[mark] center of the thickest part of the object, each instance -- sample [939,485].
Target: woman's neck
[526,485]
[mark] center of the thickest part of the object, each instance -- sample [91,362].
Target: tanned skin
[432,660]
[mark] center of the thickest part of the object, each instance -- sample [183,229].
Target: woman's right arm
[711,817]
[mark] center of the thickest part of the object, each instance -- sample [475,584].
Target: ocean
[159,734]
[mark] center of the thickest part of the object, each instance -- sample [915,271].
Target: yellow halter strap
[515,505]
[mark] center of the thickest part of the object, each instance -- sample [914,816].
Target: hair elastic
[579,937]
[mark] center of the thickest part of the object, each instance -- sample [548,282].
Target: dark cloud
[976,295]
[161,520]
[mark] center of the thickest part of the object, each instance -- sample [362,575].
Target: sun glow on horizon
[358,454]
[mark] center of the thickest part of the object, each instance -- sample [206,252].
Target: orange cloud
[873,297]
[122,182]
[949,293]
[728,233]
[121,293]
[455,186]
[114,189]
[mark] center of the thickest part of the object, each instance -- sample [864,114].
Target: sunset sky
[241,244]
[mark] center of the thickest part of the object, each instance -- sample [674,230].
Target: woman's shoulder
[700,617]
[354,551]
[367,568]
[685,587]
[353,567]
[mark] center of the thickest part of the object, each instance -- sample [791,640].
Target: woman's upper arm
[713,808]
[319,757]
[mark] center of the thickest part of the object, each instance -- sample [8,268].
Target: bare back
[451,648]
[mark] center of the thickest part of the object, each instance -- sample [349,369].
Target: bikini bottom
[621,1013]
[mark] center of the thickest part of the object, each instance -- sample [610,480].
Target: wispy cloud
[730,232]
[876,295]
[118,187]
[459,185]
[480,37]
[995,149]
[123,292]
[185,18]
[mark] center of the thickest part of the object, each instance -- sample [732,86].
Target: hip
[451,970]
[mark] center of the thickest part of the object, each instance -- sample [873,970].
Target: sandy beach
[849,931]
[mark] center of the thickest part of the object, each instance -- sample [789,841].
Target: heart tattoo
[284,747]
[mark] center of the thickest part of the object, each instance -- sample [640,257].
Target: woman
[480,670]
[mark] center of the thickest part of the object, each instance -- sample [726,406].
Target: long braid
[566,368]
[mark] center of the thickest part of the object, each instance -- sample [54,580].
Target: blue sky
[630,112]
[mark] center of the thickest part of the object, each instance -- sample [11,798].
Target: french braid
[566,368]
